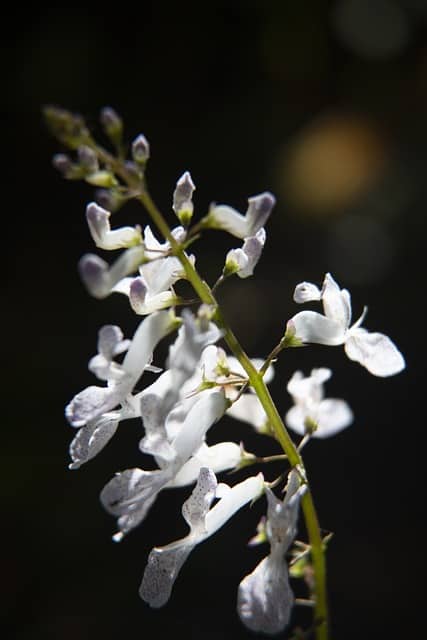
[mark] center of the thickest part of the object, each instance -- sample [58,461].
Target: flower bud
[112,123]
[88,159]
[62,163]
[140,149]
[69,128]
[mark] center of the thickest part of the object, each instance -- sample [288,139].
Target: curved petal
[98,220]
[332,416]
[314,327]
[233,500]
[252,249]
[295,420]
[92,438]
[374,351]
[94,401]
[163,567]
[218,457]
[336,302]
[306,292]
[265,598]
[207,410]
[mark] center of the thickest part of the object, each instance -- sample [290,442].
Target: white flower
[313,413]
[243,261]
[374,351]
[98,220]
[265,598]
[100,278]
[164,563]
[151,290]
[222,216]
[94,401]
[130,494]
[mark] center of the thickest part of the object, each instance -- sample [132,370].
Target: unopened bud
[140,149]
[67,127]
[62,163]
[112,123]
[88,159]
[182,198]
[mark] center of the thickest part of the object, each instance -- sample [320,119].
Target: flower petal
[218,457]
[295,419]
[94,401]
[265,598]
[314,327]
[130,494]
[332,416]
[225,217]
[207,410]
[252,249]
[163,567]
[164,563]
[98,220]
[306,292]
[336,302]
[92,438]
[374,351]
[149,333]
[233,500]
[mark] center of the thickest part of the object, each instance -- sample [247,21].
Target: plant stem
[260,388]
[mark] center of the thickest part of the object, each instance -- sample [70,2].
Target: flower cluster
[200,381]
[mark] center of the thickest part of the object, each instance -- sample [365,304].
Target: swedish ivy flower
[265,598]
[130,494]
[243,261]
[222,216]
[312,413]
[162,404]
[100,278]
[165,563]
[374,351]
[151,290]
[94,401]
[98,220]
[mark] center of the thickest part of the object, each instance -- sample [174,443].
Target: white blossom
[242,226]
[95,401]
[374,351]
[130,494]
[100,278]
[151,289]
[164,563]
[98,220]
[312,413]
[243,261]
[265,598]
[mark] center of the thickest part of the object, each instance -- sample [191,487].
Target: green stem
[260,388]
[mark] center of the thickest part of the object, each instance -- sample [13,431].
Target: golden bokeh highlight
[330,163]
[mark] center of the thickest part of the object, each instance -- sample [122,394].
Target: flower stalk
[200,382]
[256,380]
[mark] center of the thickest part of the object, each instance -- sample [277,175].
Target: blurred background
[322,103]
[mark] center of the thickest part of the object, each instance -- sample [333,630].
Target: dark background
[323,103]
